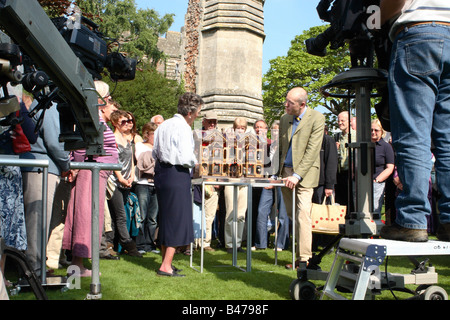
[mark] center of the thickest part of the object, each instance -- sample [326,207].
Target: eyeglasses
[124,122]
[376,130]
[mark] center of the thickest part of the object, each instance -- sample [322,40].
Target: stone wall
[230,59]
[192,44]
[171,45]
[219,56]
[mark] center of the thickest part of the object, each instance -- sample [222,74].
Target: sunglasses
[124,122]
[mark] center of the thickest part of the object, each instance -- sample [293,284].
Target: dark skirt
[173,190]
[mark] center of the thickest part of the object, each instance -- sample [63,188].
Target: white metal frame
[250,183]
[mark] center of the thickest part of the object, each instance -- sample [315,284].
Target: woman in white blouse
[173,151]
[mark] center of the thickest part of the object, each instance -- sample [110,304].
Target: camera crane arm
[30,27]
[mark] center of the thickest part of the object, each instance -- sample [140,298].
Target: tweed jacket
[306,145]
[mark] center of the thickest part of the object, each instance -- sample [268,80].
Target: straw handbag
[326,218]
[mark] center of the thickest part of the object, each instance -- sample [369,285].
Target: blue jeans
[197,216]
[419,98]
[149,212]
[264,210]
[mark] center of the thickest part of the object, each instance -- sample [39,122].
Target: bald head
[343,122]
[296,100]
[299,93]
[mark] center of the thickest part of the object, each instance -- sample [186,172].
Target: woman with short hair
[173,151]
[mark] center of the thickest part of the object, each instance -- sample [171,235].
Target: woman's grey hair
[189,102]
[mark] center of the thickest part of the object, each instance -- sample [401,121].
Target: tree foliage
[299,68]
[149,94]
[137,30]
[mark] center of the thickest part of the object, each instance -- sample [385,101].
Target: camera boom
[29,26]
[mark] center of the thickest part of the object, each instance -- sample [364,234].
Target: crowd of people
[147,205]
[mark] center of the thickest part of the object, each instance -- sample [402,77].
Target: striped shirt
[109,145]
[422,11]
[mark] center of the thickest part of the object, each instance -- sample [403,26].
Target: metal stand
[266,184]
[362,81]
[95,168]
[11,160]
[250,184]
[226,182]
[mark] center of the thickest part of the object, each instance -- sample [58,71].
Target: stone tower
[171,45]
[223,63]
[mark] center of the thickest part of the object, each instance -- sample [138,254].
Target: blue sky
[283,20]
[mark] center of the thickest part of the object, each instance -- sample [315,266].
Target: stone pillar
[229,65]
[193,20]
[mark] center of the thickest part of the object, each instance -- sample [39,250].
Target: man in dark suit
[301,135]
[328,169]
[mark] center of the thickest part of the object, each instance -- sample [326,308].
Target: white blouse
[174,143]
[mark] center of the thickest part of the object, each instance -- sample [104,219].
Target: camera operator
[419,87]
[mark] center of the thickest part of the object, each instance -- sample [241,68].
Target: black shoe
[396,232]
[130,249]
[175,269]
[167,274]
[443,232]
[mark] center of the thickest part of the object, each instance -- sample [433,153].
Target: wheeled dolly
[356,270]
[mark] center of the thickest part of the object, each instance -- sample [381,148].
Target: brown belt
[413,24]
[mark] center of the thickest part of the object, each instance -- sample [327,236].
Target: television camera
[60,63]
[88,44]
[349,24]
[10,60]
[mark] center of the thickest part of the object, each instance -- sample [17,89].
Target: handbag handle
[325,199]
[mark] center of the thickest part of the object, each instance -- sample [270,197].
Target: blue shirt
[48,147]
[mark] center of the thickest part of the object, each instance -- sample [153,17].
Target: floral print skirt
[12,215]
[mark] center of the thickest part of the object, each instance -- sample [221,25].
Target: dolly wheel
[302,290]
[434,293]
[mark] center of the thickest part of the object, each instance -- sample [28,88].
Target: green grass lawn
[133,278]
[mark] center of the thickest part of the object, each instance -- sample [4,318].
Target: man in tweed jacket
[301,135]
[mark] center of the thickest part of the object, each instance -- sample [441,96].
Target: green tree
[137,30]
[299,68]
[149,94]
